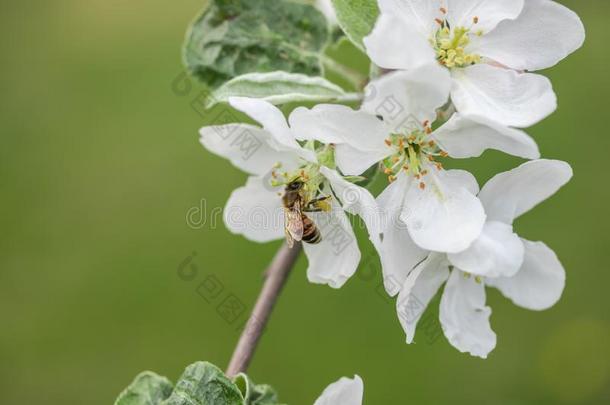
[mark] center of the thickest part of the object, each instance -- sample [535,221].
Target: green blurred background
[100,163]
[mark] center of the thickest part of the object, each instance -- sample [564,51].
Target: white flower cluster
[454,81]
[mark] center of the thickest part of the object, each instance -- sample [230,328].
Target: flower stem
[275,279]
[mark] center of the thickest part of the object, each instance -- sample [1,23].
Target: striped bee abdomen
[311,233]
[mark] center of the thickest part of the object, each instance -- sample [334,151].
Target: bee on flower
[293,192]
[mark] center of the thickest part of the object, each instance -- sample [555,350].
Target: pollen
[412,152]
[451,46]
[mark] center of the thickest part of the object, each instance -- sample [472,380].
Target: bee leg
[320,204]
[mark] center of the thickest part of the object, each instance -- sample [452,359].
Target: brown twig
[275,278]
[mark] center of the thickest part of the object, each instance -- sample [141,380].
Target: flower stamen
[450,46]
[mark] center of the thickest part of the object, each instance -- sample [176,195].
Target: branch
[275,278]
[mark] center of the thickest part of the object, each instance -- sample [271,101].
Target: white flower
[487,45]
[426,208]
[273,158]
[528,273]
[343,392]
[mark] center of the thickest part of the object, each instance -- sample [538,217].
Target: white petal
[511,194]
[395,45]
[461,178]
[461,13]
[357,201]
[544,34]
[464,316]
[497,252]
[445,216]
[335,259]
[406,99]
[354,162]
[246,146]
[469,136]
[420,14]
[419,289]
[338,124]
[272,120]
[255,211]
[398,253]
[503,95]
[540,282]
[343,392]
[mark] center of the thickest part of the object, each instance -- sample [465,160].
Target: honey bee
[297,225]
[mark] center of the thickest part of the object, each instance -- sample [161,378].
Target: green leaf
[232,38]
[147,388]
[253,394]
[203,383]
[278,88]
[357,18]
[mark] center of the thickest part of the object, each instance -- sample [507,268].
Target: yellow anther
[450,45]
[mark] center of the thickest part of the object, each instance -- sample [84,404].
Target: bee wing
[289,240]
[293,223]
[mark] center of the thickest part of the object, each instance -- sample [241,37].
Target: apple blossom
[528,273]
[487,45]
[425,207]
[272,157]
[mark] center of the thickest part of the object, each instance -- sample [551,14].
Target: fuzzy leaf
[147,388]
[357,18]
[278,88]
[232,38]
[203,383]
